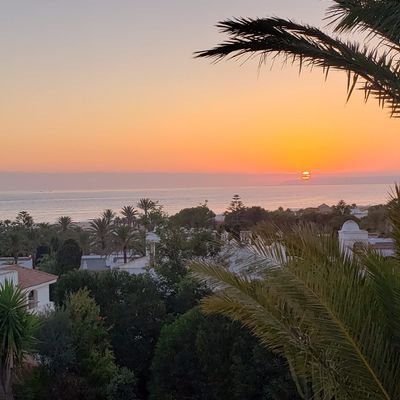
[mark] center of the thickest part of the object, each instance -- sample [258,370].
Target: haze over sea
[84,196]
[84,205]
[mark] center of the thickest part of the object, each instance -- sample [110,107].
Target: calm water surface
[84,205]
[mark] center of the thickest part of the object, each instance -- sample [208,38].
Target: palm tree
[123,236]
[376,66]
[109,215]
[130,214]
[334,316]
[101,230]
[17,327]
[146,205]
[83,238]
[65,223]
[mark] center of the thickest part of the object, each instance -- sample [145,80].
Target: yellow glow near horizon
[206,131]
[107,106]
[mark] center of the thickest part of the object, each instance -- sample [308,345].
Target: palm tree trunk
[125,255]
[6,392]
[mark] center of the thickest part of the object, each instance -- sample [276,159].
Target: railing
[32,304]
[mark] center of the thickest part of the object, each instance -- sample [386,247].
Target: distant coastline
[82,205]
[87,181]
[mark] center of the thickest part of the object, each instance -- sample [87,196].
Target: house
[35,283]
[95,262]
[26,262]
[351,236]
[358,212]
[135,265]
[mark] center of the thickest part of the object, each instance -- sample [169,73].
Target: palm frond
[322,310]
[394,216]
[17,326]
[378,72]
[375,17]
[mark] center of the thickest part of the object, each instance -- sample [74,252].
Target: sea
[48,206]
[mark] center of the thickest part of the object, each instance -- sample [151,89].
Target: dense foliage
[333,314]
[118,336]
[210,358]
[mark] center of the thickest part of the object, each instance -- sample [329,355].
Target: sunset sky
[100,85]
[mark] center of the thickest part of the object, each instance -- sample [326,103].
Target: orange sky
[93,103]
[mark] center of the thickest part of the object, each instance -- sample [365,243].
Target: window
[32,299]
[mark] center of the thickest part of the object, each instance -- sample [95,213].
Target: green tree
[48,264]
[133,309]
[24,219]
[147,206]
[68,257]
[195,217]
[94,357]
[122,386]
[334,317]
[55,344]
[100,230]
[109,215]
[210,359]
[65,223]
[254,215]
[130,214]
[15,242]
[374,64]
[377,220]
[177,246]
[234,214]
[342,208]
[123,237]
[17,329]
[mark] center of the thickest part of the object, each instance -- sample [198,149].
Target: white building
[351,235]
[97,263]
[26,262]
[358,213]
[35,284]
[135,265]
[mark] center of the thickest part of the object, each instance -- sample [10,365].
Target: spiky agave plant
[335,317]
[17,329]
[374,64]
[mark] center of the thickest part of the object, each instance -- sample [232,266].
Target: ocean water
[84,205]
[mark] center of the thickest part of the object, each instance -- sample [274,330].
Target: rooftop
[30,277]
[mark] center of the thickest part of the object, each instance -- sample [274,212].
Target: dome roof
[350,226]
[152,237]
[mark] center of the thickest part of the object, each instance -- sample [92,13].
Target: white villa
[359,212]
[136,264]
[26,262]
[35,283]
[351,235]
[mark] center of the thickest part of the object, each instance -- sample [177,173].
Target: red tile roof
[30,277]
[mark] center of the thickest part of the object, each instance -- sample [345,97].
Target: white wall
[25,262]
[42,296]
[10,276]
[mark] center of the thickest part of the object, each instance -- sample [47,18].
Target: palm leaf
[320,309]
[394,216]
[378,72]
[374,17]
